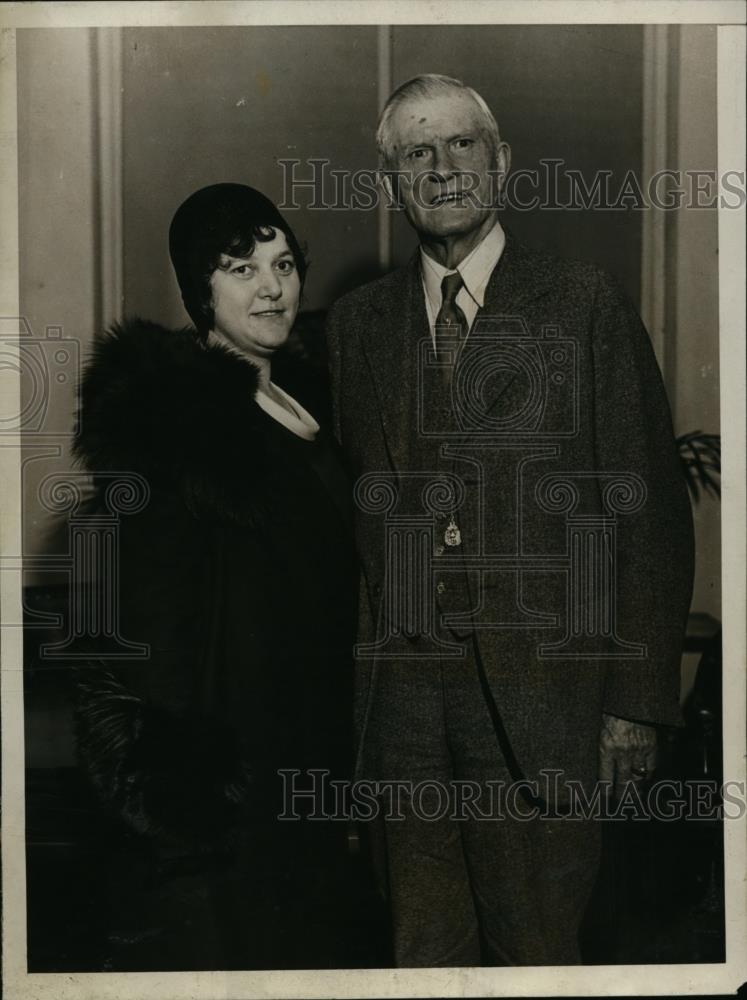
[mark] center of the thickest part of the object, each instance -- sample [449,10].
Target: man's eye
[418,154]
[464,143]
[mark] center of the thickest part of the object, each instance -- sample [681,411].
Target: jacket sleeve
[158,757]
[654,553]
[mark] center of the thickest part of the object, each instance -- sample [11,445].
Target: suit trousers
[478,883]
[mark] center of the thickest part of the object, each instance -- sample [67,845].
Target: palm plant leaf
[700,455]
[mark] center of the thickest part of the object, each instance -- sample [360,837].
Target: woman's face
[255,299]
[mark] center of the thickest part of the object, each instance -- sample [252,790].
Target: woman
[239,575]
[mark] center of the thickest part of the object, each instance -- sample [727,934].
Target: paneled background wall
[58,258]
[116,127]
[225,104]
[204,105]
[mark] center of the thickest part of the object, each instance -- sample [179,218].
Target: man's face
[443,157]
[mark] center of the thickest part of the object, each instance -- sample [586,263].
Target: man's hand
[627,751]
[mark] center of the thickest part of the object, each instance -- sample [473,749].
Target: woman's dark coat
[238,575]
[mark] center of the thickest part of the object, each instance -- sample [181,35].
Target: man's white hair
[427,85]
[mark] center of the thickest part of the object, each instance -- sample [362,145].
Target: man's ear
[389,182]
[502,167]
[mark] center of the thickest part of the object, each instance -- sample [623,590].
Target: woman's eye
[242,270]
[286,266]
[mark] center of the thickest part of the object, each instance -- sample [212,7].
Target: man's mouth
[452,197]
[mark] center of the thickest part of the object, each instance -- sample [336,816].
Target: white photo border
[722,978]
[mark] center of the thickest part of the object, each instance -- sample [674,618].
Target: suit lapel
[392,335]
[391,342]
[517,279]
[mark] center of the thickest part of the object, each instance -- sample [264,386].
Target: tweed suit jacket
[587,445]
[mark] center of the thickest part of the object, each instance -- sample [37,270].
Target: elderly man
[526,544]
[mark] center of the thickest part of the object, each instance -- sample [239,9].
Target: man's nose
[442,167]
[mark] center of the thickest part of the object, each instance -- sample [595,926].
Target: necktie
[451,323]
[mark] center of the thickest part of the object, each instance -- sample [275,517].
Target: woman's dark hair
[221,219]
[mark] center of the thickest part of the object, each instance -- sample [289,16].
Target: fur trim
[162,403]
[164,775]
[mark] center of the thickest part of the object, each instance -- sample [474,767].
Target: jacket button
[439,550]
[441,588]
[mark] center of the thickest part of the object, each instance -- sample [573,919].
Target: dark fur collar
[161,403]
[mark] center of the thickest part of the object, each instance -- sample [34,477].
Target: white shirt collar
[475,269]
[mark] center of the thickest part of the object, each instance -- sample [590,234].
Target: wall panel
[225,104]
